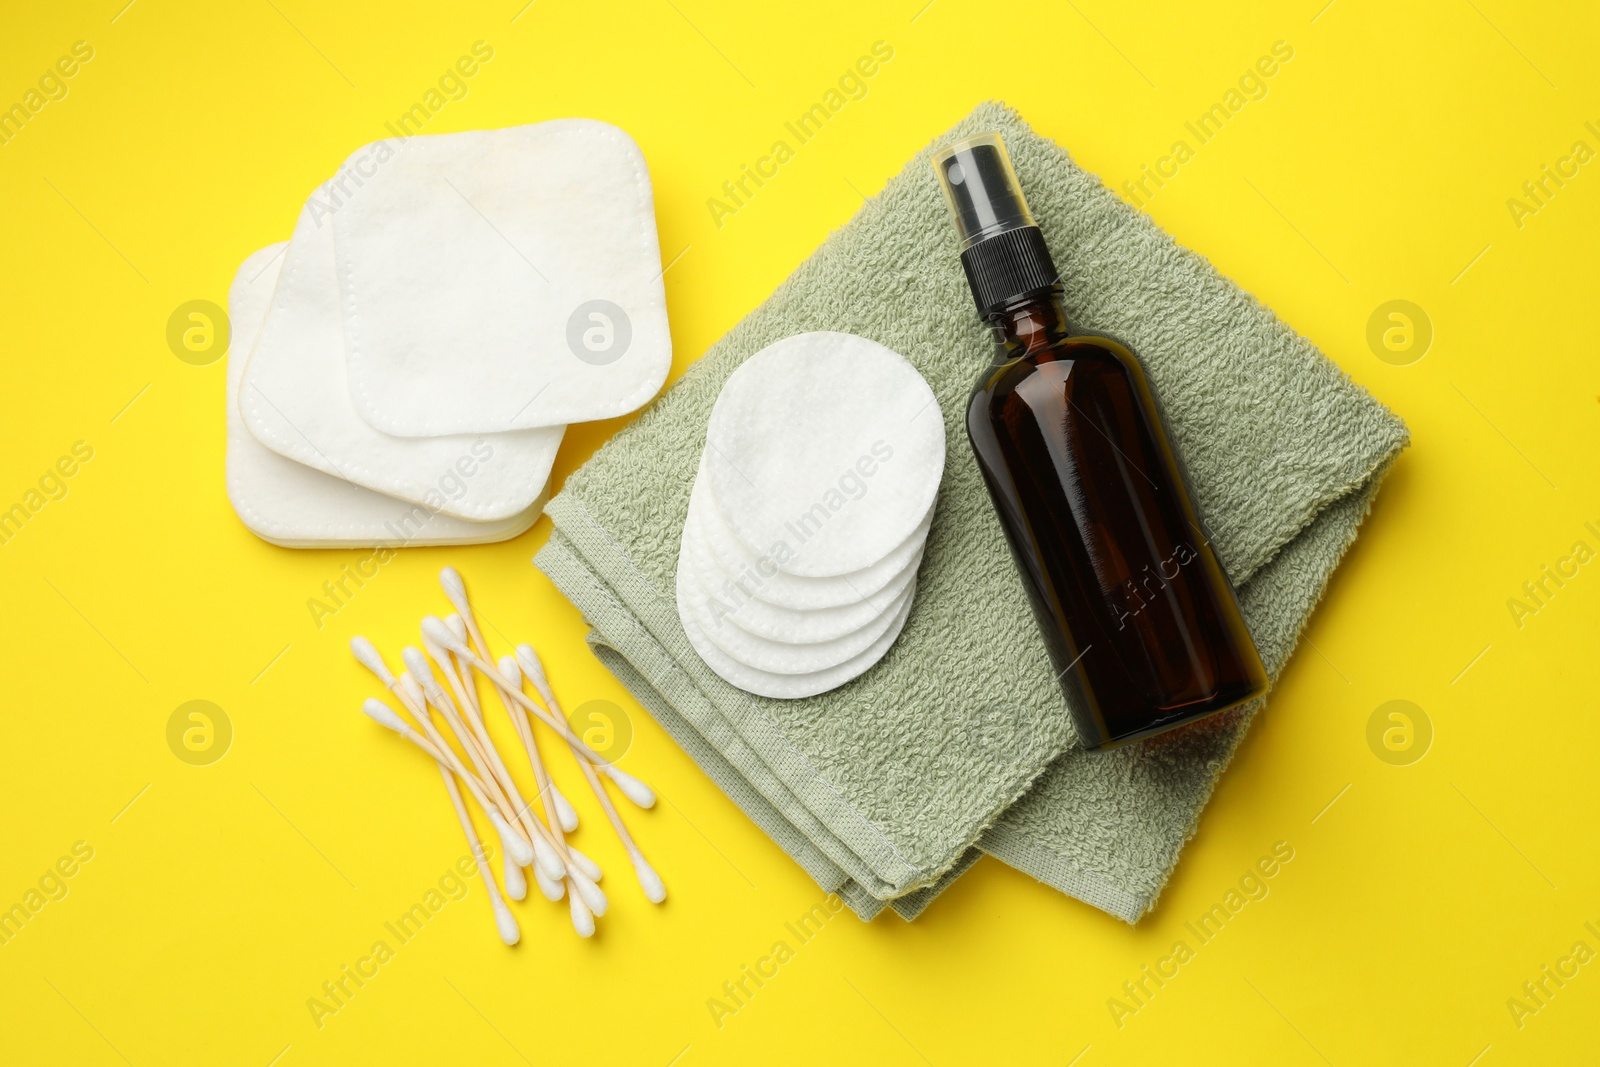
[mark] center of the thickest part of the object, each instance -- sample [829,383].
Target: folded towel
[881,789]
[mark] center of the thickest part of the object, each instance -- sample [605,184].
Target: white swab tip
[383,715]
[510,671]
[546,858]
[410,689]
[528,660]
[506,924]
[565,811]
[435,630]
[458,626]
[649,880]
[520,851]
[631,787]
[516,882]
[416,663]
[582,918]
[552,888]
[368,654]
[592,894]
[454,587]
[591,869]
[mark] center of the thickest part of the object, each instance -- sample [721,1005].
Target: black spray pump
[1135,609]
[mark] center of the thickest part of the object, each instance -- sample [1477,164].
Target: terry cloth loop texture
[880,789]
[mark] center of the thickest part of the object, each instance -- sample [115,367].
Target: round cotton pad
[829,443]
[761,572]
[713,613]
[783,686]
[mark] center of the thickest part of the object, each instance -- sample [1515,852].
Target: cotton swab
[516,882]
[504,921]
[455,590]
[466,694]
[582,870]
[438,632]
[631,787]
[587,899]
[485,787]
[385,716]
[485,791]
[649,880]
[466,631]
[403,687]
[537,834]
[552,889]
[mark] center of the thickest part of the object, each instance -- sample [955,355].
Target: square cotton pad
[499,280]
[292,505]
[295,399]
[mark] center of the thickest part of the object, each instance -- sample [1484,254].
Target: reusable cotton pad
[824,452]
[292,505]
[829,589]
[759,573]
[791,647]
[500,280]
[784,686]
[295,399]
[785,624]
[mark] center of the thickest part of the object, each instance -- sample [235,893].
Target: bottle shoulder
[1063,358]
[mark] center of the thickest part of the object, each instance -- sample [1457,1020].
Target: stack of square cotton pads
[410,360]
[809,512]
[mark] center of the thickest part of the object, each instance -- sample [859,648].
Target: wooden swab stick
[437,631]
[487,790]
[492,769]
[579,870]
[552,855]
[631,787]
[460,683]
[411,697]
[456,591]
[582,872]
[558,810]
[634,789]
[516,883]
[386,716]
[504,921]
[649,880]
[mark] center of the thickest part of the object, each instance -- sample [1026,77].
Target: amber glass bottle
[1138,615]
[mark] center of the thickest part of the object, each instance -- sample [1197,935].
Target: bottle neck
[1029,325]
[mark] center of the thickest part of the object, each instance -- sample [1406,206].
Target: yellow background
[1377,167]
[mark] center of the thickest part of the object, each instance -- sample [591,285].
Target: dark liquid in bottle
[1139,617]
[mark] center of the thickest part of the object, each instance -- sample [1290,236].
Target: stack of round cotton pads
[809,513]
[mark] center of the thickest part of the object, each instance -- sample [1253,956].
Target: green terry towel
[885,789]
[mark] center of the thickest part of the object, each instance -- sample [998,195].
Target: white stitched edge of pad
[512,241]
[783,686]
[288,504]
[784,653]
[295,399]
[829,443]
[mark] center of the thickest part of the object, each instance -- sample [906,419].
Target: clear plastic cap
[981,188]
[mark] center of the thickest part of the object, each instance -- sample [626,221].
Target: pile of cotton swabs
[456,645]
